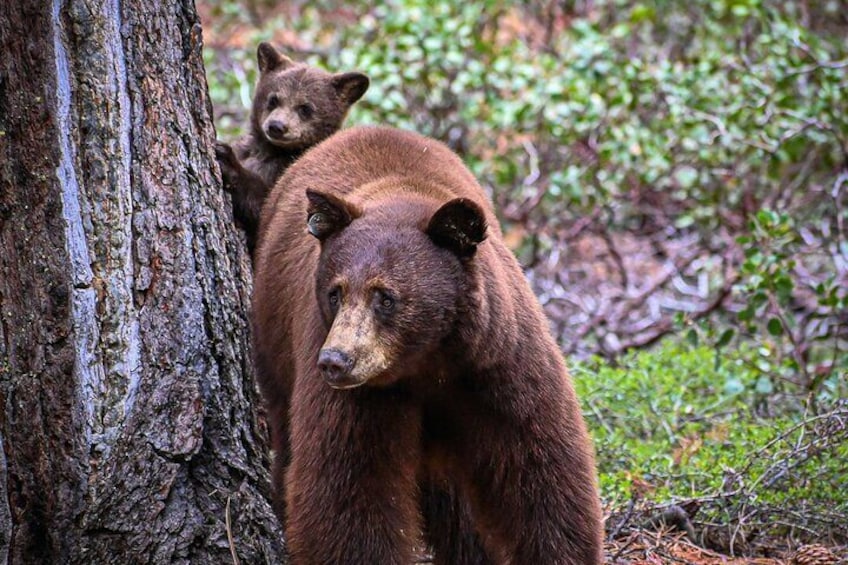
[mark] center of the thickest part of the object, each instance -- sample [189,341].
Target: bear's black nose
[336,365]
[277,129]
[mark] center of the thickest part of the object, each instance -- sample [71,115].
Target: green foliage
[768,283]
[646,411]
[694,111]
[682,422]
[690,121]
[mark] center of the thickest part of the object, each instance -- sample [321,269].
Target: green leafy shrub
[684,423]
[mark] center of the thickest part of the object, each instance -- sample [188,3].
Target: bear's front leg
[351,487]
[231,168]
[534,492]
[248,191]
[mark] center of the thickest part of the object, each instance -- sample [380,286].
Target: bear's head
[389,283]
[296,106]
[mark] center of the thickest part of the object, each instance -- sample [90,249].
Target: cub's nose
[336,366]
[276,129]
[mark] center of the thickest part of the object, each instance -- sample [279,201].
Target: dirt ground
[644,547]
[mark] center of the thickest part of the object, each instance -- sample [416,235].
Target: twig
[616,257]
[533,162]
[833,65]
[230,533]
[631,505]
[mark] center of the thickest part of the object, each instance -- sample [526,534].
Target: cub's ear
[350,86]
[327,214]
[269,58]
[458,226]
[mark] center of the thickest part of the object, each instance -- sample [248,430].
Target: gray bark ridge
[129,428]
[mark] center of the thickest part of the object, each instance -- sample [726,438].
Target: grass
[687,423]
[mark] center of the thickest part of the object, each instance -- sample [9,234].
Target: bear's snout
[277,129]
[336,366]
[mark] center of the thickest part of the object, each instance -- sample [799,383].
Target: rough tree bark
[128,431]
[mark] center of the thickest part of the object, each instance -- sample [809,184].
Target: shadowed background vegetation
[673,177]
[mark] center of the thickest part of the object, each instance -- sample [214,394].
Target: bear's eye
[334,298]
[317,224]
[273,101]
[385,302]
[305,111]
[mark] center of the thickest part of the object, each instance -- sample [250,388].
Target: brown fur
[295,106]
[462,430]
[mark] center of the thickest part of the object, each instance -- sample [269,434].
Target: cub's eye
[305,111]
[273,101]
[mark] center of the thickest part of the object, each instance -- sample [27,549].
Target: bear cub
[295,106]
[415,394]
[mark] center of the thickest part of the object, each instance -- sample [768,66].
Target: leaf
[775,327]
[767,217]
[641,12]
[764,386]
[692,336]
[686,176]
[733,386]
[784,285]
[725,337]
[684,221]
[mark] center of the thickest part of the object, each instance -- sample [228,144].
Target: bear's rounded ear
[459,226]
[269,58]
[350,86]
[327,214]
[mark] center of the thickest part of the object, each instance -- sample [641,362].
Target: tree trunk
[128,430]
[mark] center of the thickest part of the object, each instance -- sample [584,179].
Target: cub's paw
[229,163]
[225,154]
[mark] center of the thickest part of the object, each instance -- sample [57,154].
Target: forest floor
[646,547]
[641,536]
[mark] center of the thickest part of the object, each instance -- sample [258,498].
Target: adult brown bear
[414,390]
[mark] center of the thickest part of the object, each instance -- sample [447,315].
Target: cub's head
[296,106]
[389,284]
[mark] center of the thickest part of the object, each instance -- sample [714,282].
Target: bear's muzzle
[336,366]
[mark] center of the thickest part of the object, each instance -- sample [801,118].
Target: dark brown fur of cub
[295,106]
